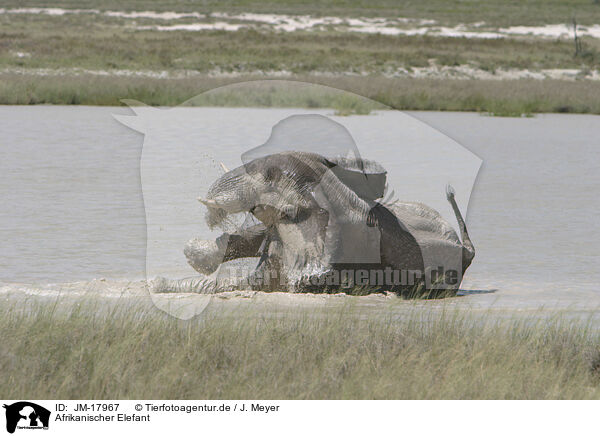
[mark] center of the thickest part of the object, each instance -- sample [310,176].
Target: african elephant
[319,225]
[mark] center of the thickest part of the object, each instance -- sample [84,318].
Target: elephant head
[316,210]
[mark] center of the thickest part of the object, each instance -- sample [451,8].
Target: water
[73,203]
[535,205]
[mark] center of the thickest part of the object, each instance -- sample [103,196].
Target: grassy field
[501,12]
[98,60]
[104,43]
[508,98]
[252,354]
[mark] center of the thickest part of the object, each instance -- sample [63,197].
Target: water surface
[73,204]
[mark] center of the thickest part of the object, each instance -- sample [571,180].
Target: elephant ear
[366,178]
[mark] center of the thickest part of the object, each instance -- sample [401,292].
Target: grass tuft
[97,353]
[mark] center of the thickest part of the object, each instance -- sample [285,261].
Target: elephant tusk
[208,203]
[224,167]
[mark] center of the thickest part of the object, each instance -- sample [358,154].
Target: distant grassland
[128,353]
[105,43]
[500,12]
[43,58]
[505,98]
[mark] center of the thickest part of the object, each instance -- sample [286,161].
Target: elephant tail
[468,251]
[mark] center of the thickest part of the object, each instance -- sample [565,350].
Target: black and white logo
[26,415]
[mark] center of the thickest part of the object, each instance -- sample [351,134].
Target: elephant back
[366,178]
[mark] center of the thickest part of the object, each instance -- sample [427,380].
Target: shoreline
[496,97]
[136,294]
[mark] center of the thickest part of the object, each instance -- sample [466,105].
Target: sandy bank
[194,21]
[134,295]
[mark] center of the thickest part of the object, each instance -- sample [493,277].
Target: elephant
[320,224]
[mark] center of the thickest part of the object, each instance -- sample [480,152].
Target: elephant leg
[203,284]
[269,273]
[222,280]
[200,285]
[206,256]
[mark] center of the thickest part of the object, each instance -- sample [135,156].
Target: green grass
[509,98]
[250,353]
[358,63]
[500,12]
[108,44]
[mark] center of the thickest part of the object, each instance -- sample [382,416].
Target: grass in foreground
[252,354]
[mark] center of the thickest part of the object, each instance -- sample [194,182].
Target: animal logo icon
[27,415]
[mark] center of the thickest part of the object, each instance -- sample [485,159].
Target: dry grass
[109,44]
[250,353]
[500,12]
[509,98]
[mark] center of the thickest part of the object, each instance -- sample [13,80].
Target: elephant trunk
[234,192]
